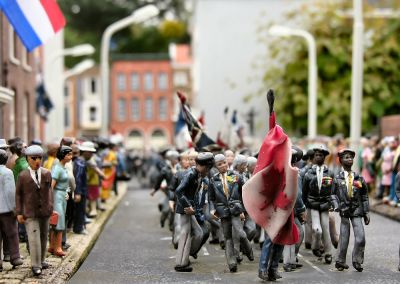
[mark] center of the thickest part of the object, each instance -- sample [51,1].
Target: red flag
[269,196]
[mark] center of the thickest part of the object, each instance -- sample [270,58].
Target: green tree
[288,71]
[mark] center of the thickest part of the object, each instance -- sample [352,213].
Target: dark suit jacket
[186,190]
[357,206]
[313,197]
[31,201]
[218,199]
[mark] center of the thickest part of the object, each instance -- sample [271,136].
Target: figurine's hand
[242,217]
[21,219]
[153,192]
[367,219]
[77,198]
[212,213]
[302,217]
[189,211]
[336,210]
[66,196]
[172,205]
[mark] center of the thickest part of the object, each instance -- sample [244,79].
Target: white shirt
[39,172]
[320,174]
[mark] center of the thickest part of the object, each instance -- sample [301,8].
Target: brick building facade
[142,100]
[18,115]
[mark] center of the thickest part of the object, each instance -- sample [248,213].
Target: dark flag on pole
[200,139]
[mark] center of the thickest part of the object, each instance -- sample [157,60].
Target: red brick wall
[146,127]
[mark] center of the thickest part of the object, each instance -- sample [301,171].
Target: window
[66,117]
[121,82]
[135,109]
[13,46]
[180,79]
[25,60]
[24,121]
[162,108]
[149,108]
[93,114]
[93,86]
[121,110]
[148,81]
[135,84]
[66,91]
[162,81]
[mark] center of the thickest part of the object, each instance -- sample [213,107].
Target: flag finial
[271,100]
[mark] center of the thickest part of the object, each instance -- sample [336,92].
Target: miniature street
[133,248]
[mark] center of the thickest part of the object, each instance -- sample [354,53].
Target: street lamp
[137,16]
[75,51]
[79,68]
[312,72]
[357,76]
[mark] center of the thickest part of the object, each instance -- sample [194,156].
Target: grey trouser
[300,227]
[249,228]
[239,236]
[332,229]
[308,228]
[37,230]
[177,228]
[226,224]
[289,254]
[359,239]
[189,239]
[320,229]
[216,230]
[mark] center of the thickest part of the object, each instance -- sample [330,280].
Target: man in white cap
[34,206]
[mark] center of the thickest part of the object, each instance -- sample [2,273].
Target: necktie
[350,185]
[224,185]
[37,178]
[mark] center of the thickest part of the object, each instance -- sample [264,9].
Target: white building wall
[53,69]
[225,43]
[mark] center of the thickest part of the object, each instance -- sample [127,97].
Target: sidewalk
[377,206]
[61,269]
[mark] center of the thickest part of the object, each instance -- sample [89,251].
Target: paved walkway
[63,268]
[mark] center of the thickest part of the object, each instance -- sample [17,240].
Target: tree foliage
[287,71]
[87,20]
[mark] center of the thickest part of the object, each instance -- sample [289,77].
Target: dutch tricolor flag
[35,21]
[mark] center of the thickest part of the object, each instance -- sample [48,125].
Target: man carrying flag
[269,196]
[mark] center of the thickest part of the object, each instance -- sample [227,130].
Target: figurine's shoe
[214,242]
[232,268]
[340,266]
[316,252]
[307,246]
[186,268]
[263,275]
[273,276]
[358,266]
[328,259]
[222,244]
[194,255]
[239,258]
[16,262]
[1,268]
[45,265]
[7,258]
[287,267]
[36,271]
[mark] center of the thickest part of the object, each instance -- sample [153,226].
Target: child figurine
[350,198]
[34,206]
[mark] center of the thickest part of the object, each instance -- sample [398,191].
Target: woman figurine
[60,186]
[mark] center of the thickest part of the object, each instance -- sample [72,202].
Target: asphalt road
[134,249]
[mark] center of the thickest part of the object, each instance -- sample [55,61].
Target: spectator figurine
[8,224]
[350,198]
[34,206]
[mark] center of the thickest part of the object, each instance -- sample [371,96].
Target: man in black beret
[191,234]
[350,198]
[317,190]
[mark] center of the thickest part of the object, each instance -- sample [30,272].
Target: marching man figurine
[350,198]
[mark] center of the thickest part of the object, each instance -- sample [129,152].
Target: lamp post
[312,72]
[75,51]
[79,68]
[357,76]
[137,16]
